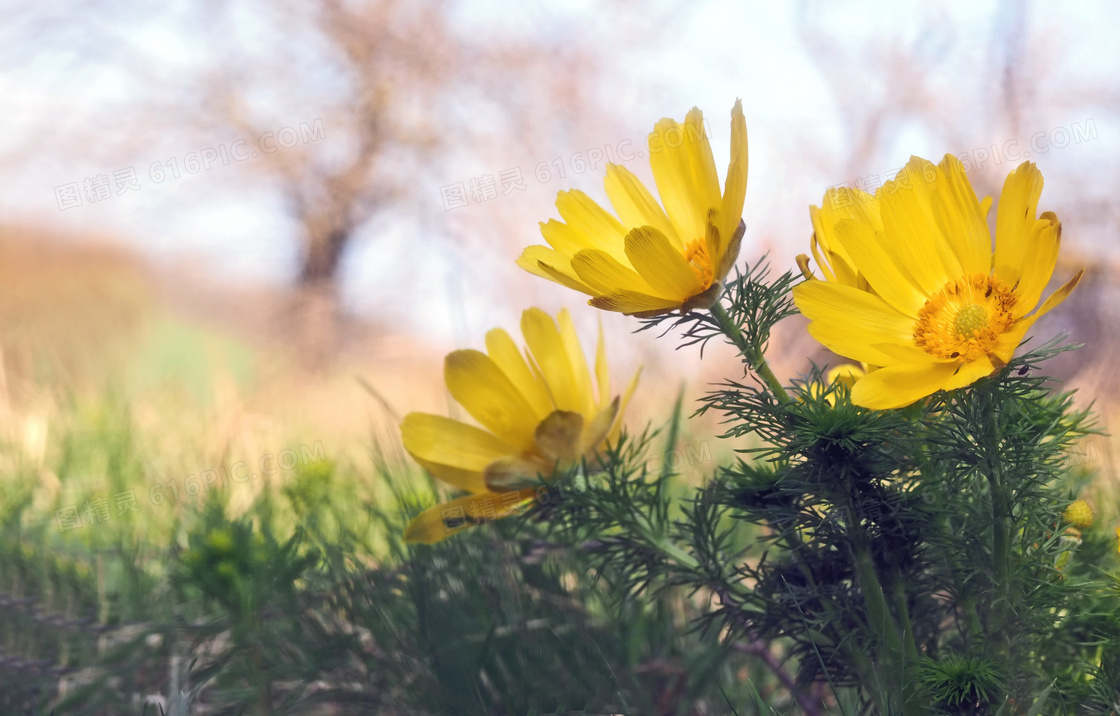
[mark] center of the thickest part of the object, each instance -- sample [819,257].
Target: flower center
[970,320]
[696,254]
[964,320]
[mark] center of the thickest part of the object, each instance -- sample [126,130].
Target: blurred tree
[358,110]
[394,87]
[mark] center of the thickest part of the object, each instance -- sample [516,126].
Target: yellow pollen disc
[696,254]
[964,319]
[970,320]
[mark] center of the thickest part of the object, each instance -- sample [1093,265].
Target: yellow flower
[1079,514]
[913,286]
[539,413]
[846,375]
[650,260]
[840,204]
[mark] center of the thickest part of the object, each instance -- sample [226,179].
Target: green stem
[909,686]
[972,618]
[903,609]
[1000,519]
[894,655]
[892,658]
[264,703]
[966,601]
[1001,551]
[752,354]
[878,613]
[1001,530]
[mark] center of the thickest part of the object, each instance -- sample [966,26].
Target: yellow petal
[469,480]
[547,346]
[505,353]
[588,218]
[1056,298]
[960,216]
[729,252]
[479,385]
[735,185]
[896,386]
[1040,255]
[821,255]
[564,278]
[440,522]
[436,524]
[599,427]
[845,375]
[436,439]
[969,373]
[589,226]
[626,395]
[602,371]
[1009,341]
[1015,220]
[635,205]
[632,303]
[910,233]
[908,353]
[660,264]
[604,274]
[553,265]
[887,277]
[846,274]
[851,322]
[579,362]
[840,204]
[685,173]
[713,242]
[450,442]
[564,238]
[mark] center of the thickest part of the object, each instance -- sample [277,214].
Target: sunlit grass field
[192,523]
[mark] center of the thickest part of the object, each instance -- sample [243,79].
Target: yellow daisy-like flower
[840,204]
[539,413]
[650,260]
[1079,514]
[913,287]
[846,375]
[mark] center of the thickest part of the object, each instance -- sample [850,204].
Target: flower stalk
[752,354]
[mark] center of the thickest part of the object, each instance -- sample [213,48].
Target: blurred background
[349,183]
[233,228]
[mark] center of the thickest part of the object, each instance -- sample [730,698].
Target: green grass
[292,593]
